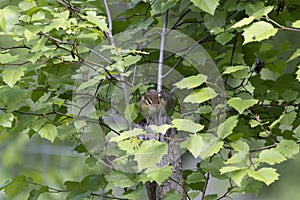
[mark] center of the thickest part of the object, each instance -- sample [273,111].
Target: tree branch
[280,26]
[161,53]
[112,42]
[205,186]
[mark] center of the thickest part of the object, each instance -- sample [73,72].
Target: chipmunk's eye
[148,101]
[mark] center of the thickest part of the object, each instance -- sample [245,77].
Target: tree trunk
[175,182]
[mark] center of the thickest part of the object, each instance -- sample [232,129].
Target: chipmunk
[155,106]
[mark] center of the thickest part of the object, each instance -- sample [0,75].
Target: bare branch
[161,53]
[112,42]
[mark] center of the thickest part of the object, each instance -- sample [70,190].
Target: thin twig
[185,54]
[112,42]
[205,186]
[280,26]
[161,53]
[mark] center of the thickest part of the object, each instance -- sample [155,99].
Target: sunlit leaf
[159,174]
[208,6]
[204,145]
[8,58]
[49,132]
[128,134]
[227,169]
[200,95]
[130,60]
[187,125]
[296,24]
[295,55]
[150,153]
[238,175]
[232,69]
[131,112]
[288,148]
[298,73]
[194,144]
[12,74]
[225,129]
[259,31]
[6,119]
[271,156]
[191,81]
[243,22]
[160,129]
[98,20]
[224,38]
[266,175]
[240,104]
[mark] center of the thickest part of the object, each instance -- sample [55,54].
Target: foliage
[48,48]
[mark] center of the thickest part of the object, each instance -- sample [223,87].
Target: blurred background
[53,164]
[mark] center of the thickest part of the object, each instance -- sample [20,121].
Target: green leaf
[238,157]
[121,179]
[211,197]
[137,193]
[159,174]
[227,169]
[58,23]
[127,146]
[160,129]
[34,194]
[9,17]
[240,104]
[232,69]
[290,95]
[296,24]
[295,55]
[195,177]
[262,12]
[225,129]
[288,118]
[191,81]
[17,185]
[131,112]
[187,125]
[48,132]
[259,31]
[97,20]
[172,194]
[6,119]
[160,6]
[26,5]
[298,73]
[200,95]
[271,156]
[194,144]
[130,60]
[12,74]
[150,153]
[288,148]
[204,145]
[210,147]
[266,175]
[208,6]
[225,37]
[238,175]
[240,146]
[92,82]
[128,134]
[243,22]
[8,58]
